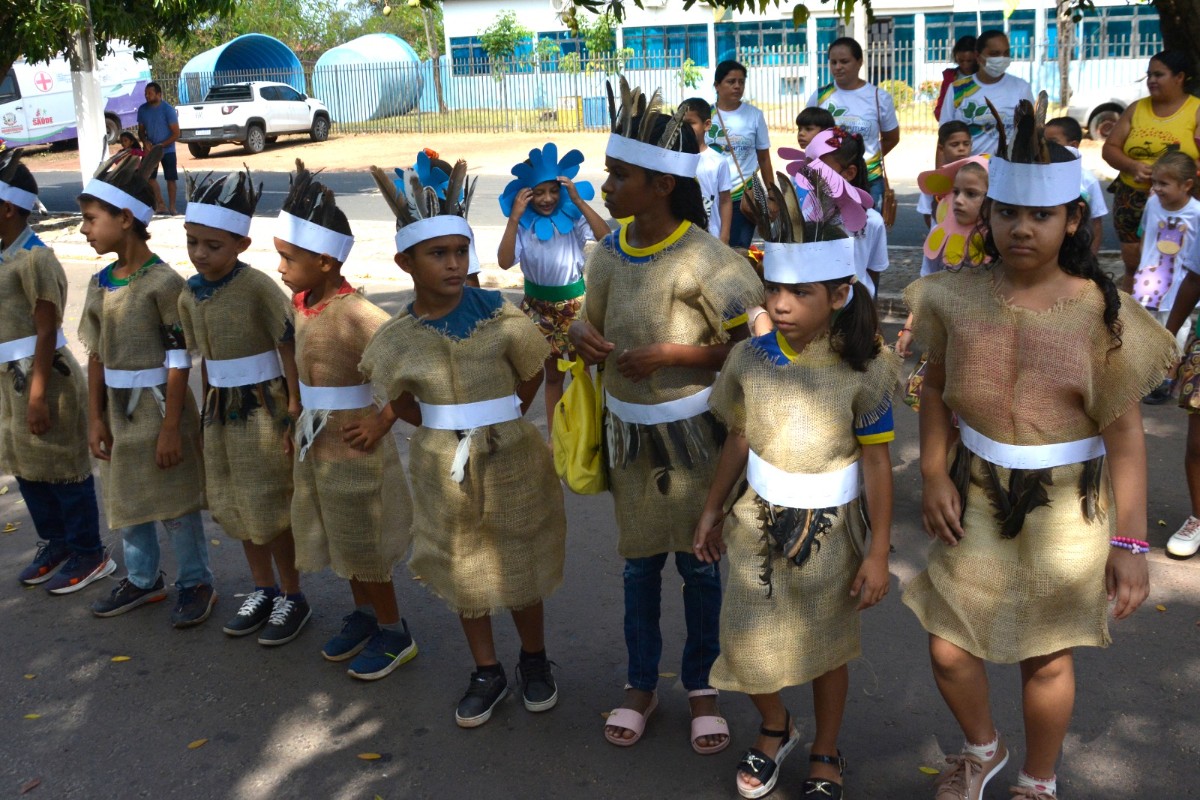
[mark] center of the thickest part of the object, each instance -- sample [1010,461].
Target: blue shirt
[475,306]
[157,120]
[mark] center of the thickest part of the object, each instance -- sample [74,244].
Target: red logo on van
[44,81]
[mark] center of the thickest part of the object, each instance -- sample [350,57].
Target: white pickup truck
[252,113]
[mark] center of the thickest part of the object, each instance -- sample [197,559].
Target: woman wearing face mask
[1166,120]
[967,98]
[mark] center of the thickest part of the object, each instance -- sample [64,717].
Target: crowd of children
[758,439]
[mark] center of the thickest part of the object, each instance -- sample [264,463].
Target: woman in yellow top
[1166,120]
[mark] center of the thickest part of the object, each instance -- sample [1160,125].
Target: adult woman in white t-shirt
[859,107]
[743,128]
[965,101]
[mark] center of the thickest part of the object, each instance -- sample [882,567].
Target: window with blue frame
[736,39]
[467,56]
[1114,32]
[567,44]
[653,46]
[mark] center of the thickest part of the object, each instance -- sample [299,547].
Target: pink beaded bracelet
[1135,546]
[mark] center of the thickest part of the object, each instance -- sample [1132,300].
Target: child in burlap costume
[43,399]
[351,510]
[1043,362]
[144,427]
[240,322]
[809,412]
[462,364]
[662,301]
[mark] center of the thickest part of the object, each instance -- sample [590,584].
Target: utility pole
[89,103]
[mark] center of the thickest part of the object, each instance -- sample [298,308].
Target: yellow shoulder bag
[578,431]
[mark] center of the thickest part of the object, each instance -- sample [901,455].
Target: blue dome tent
[250,57]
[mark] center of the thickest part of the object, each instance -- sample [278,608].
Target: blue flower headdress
[430,173]
[544,166]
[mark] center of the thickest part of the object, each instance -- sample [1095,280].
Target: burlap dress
[351,510]
[1028,378]
[129,326]
[687,290]
[60,455]
[496,541]
[782,624]
[249,472]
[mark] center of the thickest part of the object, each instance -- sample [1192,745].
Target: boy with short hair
[810,122]
[716,182]
[954,142]
[1069,133]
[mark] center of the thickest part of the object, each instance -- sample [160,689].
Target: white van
[37,103]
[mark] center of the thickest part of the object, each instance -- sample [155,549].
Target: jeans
[701,611]
[875,187]
[187,540]
[741,230]
[64,514]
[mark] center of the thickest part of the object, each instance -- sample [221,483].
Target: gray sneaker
[253,614]
[968,775]
[286,621]
[127,597]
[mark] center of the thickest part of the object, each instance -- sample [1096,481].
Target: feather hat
[666,154]
[310,216]
[1022,172]
[544,166]
[420,212]
[120,176]
[851,201]
[226,203]
[10,168]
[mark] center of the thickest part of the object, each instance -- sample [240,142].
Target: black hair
[964,44]
[1177,61]
[133,137]
[139,228]
[948,129]
[726,67]
[852,152]
[701,107]
[686,201]
[985,37]
[1070,128]
[155,86]
[816,117]
[848,42]
[22,179]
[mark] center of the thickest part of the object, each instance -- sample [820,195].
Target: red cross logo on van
[44,81]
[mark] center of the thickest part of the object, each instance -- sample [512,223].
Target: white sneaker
[1186,541]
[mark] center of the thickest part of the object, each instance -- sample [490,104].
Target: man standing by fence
[159,124]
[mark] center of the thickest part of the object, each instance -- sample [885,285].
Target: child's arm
[169,451]
[45,323]
[405,407]
[928,221]
[506,255]
[589,342]
[364,433]
[941,505]
[904,343]
[287,357]
[1185,300]
[1126,576]
[1097,234]
[872,582]
[100,438]
[725,203]
[708,543]
[595,221]
[642,362]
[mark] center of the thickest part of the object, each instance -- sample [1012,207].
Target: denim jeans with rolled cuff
[187,540]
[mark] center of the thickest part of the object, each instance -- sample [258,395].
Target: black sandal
[760,766]
[820,789]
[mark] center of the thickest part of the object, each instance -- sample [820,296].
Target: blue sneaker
[355,633]
[49,557]
[386,651]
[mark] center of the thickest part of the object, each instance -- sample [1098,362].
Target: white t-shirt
[1094,195]
[713,177]
[558,262]
[856,111]
[870,249]
[746,130]
[966,104]
[925,204]
[1171,221]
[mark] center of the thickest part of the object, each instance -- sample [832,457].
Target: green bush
[902,94]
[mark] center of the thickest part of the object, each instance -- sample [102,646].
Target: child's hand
[872,582]
[520,203]
[364,434]
[289,435]
[1127,579]
[641,362]
[708,541]
[588,342]
[941,508]
[169,451]
[904,343]
[572,192]
[38,416]
[100,440]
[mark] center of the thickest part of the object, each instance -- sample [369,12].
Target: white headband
[119,198]
[649,156]
[810,262]
[313,237]
[18,197]
[432,227]
[218,217]
[1036,185]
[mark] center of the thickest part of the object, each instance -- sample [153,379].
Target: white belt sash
[335,398]
[657,413]
[231,372]
[16,349]
[1026,456]
[146,378]
[802,490]
[468,417]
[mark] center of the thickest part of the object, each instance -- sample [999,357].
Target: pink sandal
[708,726]
[630,720]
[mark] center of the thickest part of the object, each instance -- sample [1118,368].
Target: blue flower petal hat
[431,175]
[545,166]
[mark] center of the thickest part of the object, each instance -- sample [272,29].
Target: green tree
[500,41]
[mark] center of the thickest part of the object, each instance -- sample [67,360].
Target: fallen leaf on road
[29,785]
[196,745]
[30,676]
[1161,607]
[3,490]
[9,527]
[1162,523]
[930,770]
[668,675]
[216,542]
[119,659]
[369,756]
[33,716]
[605,714]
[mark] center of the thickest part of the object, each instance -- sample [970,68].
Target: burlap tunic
[61,454]
[249,472]
[1028,378]
[799,417]
[680,291]
[495,541]
[351,510]
[127,327]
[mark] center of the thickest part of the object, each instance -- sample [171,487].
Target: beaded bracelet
[1135,546]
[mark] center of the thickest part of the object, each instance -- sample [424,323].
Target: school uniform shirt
[925,204]
[870,249]
[1166,233]
[968,106]
[867,111]
[557,262]
[746,130]
[1089,189]
[713,177]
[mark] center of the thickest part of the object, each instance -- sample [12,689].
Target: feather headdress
[803,165]
[420,213]
[121,177]
[634,124]
[226,203]
[801,249]
[311,219]
[1029,170]
[12,173]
